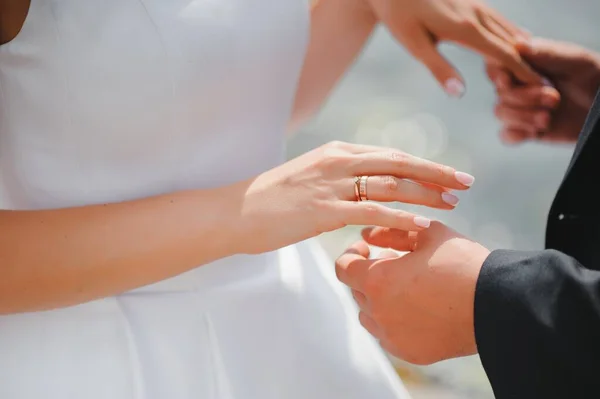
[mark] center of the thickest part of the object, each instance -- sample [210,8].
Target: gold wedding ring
[357,188]
[360,188]
[363,188]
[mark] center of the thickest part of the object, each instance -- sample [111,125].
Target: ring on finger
[357,188]
[362,188]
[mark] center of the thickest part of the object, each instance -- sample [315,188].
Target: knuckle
[467,25]
[444,170]
[370,210]
[374,282]
[330,158]
[391,185]
[436,229]
[335,144]
[399,158]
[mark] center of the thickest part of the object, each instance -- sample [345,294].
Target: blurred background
[389,99]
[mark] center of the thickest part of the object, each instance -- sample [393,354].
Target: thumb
[432,236]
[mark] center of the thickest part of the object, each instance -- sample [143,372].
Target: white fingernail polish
[547,82]
[422,222]
[464,178]
[450,199]
[454,87]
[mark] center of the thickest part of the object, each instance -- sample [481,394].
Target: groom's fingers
[361,300]
[531,96]
[523,118]
[514,136]
[499,76]
[537,95]
[352,266]
[383,237]
[360,248]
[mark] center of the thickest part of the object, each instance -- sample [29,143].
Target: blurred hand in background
[421,25]
[553,111]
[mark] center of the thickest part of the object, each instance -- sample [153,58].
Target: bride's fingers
[424,48]
[361,300]
[490,45]
[385,237]
[513,30]
[369,213]
[393,189]
[356,148]
[406,166]
[435,187]
[497,29]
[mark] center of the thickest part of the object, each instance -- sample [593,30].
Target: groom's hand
[420,305]
[544,112]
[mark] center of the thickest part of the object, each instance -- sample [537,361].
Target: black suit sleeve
[537,325]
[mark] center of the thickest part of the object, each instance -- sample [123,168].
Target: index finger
[406,166]
[531,97]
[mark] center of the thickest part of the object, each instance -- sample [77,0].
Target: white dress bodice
[111,100]
[118,99]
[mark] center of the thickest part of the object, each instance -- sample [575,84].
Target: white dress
[110,100]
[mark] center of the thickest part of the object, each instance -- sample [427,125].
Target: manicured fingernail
[450,199]
[547,82]
[422,222]
[464,178]
[454,87]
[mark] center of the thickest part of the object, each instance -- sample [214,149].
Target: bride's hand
[421,24]
[315,193]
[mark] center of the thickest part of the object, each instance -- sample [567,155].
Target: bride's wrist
[215,219]
[240,220]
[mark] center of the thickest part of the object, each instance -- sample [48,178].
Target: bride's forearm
[63,257]
[339,31]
